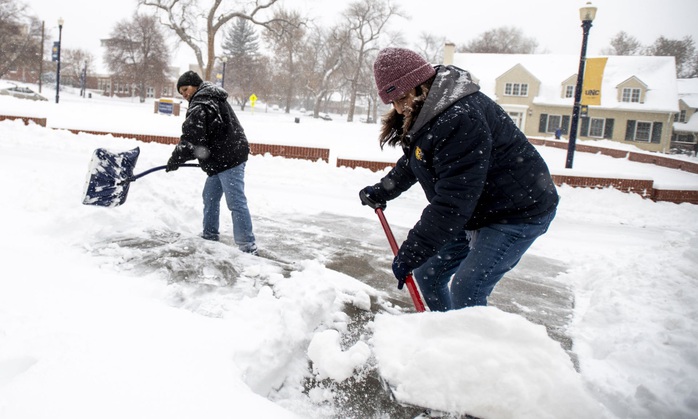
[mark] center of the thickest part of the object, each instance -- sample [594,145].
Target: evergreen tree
[245,73]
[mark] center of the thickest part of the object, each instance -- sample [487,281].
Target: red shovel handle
[411,286]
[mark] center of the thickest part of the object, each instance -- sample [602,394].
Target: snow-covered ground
[125,312]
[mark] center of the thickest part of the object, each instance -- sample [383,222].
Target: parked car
[21,92]
[326,117]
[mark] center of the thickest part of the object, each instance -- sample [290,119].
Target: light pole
[225,60]
[58,66]
[587,15]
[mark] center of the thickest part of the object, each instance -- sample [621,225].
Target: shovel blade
[109,177]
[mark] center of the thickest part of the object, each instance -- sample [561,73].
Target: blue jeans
[230,182]
[476,261]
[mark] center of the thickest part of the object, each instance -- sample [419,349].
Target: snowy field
[125,312]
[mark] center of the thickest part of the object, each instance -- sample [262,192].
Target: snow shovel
[409,281]
[110,175]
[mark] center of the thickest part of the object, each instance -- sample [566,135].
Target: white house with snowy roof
[638,95]
[686,122]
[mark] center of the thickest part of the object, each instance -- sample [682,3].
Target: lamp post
[58,66]
[225,60]
[587,15]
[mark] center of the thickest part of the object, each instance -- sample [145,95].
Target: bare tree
[503,40]
[691,68]
[286,35]
[431,47]
[20,37]
[623,44]
[365,20]
[323,56]
[368,85]
[683,50]
[185,18]
[74,62]
[136,53]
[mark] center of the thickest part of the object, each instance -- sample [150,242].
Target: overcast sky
[554,24]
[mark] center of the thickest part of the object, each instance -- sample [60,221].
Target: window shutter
[543,124]
[630,130]
[656,132]
[565,124]
[584,131]
[608,130]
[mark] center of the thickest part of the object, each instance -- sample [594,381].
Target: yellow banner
[593,76]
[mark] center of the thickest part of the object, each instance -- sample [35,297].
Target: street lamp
[587,15]
[225,60]
[58,66]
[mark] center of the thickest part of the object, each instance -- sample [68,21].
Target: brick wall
[675,196]
[25,119]
[374,166]
[664,161]
[642,187]
[684,165]
[140,137]
[293,152]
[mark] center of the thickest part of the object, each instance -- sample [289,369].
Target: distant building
[639,96]
[685,137]
[110,85]
[115,84]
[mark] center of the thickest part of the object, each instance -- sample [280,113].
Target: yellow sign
[593,77]
[253,99]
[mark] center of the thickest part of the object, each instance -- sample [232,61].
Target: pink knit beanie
[399,70]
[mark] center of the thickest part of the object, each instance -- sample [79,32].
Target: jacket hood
[209,91]
[450,85]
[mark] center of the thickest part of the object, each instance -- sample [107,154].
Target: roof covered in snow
[688,92]
[657,73]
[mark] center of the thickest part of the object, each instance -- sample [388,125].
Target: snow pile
[126,312]
[449,361]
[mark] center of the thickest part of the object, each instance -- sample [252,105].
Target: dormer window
[630,94]
[516,89]
[569,91]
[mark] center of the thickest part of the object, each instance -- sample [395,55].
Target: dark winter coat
[211,132]
[475,166]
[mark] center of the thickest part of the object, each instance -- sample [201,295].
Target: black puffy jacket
[476,167]
[211,132]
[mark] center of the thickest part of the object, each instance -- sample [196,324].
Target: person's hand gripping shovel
[367,199]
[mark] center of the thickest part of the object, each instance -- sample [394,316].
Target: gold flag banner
[593,76]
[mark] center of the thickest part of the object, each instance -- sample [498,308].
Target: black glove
[171,165]
[401,271]
[369,197]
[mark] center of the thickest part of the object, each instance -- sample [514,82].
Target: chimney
[449,50]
